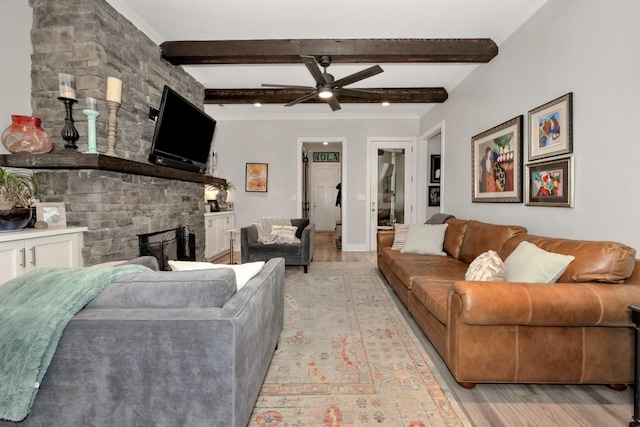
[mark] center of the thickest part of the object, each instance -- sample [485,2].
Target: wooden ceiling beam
[281,51]
[283,96]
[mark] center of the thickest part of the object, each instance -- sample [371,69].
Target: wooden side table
[635,318]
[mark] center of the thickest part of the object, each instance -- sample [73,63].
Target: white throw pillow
[425,239]
[487,267]
[530,264]
[400,236]
[284,230]
[244,272]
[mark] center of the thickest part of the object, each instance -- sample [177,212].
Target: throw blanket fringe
[34,310]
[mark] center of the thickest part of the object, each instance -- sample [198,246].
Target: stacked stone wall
[92,41]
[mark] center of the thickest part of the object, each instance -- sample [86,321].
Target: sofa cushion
[530,264]
[407,267]
[487,267]
[301,223]
[169,289]
[425,239]
[275,250]
[433,294]
[244,272]
[399,236]
[454,236]
[480,237]
[595,261]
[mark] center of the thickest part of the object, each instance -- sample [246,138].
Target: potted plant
[17,191]
[223,189]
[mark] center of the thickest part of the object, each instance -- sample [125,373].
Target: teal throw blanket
[34,310]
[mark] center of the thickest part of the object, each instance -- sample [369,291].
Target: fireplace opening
[173,244]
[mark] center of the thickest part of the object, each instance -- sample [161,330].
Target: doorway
[323,168]
[391,190]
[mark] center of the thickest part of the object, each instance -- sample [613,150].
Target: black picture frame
[435,169]
[434,195]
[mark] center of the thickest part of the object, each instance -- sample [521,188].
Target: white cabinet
[216,239]
[22,251]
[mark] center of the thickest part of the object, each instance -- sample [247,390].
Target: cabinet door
[211,239]
[225,223]
[12,260]
[52,251]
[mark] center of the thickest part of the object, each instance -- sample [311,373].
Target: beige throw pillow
[400,236]
[487,267]
[530,264]
[425,239]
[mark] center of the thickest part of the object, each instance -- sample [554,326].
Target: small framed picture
[435,168]
[257,175]
[550,128]
[550,183]
[434,195]
[214,206]
[54,214]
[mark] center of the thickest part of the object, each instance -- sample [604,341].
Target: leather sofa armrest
[533,304]
[384,238]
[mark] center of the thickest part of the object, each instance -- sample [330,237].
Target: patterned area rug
[346,357]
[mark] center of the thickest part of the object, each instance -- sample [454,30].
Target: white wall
[590,48]
[275,142]
[15,51]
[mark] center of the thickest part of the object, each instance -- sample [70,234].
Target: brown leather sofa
[577,330]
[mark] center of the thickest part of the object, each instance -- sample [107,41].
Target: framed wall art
[54,214]
[550,183]
[256,178]
[434,195]
[550,128]
[496,162]
[435,168]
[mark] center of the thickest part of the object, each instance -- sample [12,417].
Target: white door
[391,185]
[324,179]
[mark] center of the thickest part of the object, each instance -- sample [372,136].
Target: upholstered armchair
[255,247]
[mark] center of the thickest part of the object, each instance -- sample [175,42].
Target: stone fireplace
[116,198]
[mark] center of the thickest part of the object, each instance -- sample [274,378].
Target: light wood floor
[508,405]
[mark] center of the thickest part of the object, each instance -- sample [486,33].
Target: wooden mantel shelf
[103,162]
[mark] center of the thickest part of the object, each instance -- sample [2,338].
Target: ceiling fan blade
[333,103]
[360,75]
[314,69]
[288,86]
[301,99]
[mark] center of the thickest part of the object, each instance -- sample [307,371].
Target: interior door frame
[343,162]
[373,144]
[423,177]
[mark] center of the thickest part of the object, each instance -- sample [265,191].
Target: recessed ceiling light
[386,104]
[325,143]
[257,105]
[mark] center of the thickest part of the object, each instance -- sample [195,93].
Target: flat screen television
[183,134]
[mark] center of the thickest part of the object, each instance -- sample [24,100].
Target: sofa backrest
[480,237]
[453,236]
[594,261]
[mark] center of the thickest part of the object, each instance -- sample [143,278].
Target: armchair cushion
[301,223]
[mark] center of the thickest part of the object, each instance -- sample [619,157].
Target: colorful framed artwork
[54,214]
[435,168]
[434,195]
[496,162]
[550,183]
[256,178]
[551,128]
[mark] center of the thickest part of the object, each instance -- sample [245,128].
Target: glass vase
[26,136]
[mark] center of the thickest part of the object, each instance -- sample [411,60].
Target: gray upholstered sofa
[165,349]
[293,253]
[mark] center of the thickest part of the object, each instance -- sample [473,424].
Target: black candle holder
[69,132]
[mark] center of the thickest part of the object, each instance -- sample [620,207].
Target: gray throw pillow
[169,289]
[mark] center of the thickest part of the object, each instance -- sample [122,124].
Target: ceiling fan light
[325,93]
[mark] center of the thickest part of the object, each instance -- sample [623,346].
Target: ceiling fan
[327,87]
